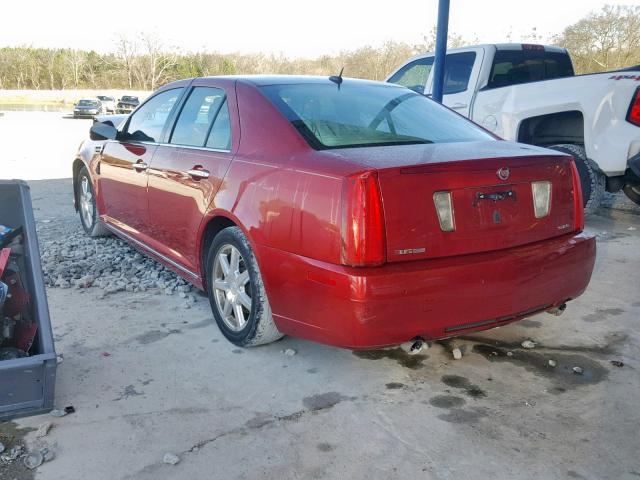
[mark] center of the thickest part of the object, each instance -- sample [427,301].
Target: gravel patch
[74,260]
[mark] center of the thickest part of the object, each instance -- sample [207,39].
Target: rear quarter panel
[275,189]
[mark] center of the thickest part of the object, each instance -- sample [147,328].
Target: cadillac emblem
[503,173]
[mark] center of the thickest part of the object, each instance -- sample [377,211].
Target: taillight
[541,198]
[444,208]
[633,116]
[578,207]
[363,230]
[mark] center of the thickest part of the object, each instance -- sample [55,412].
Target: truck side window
[513,67]
[457,72]
[414,75]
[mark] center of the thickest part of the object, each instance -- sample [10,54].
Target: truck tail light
[578,206]
[363,226]
[444,208]
[633,116]
[541,198]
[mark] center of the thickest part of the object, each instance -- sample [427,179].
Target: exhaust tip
[557,311]
[414,346]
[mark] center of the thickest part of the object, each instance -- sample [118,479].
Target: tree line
[604,40]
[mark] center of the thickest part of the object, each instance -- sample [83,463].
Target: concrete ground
[147,376]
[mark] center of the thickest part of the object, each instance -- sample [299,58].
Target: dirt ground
[147,377]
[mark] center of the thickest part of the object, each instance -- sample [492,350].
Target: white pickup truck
[530,94]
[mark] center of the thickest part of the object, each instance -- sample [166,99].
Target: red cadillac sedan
[354,213]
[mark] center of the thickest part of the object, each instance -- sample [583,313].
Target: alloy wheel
[232,287]
[87,204]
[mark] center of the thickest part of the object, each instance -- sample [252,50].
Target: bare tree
[76,62]
[155,64]
[127,52]
[604,40]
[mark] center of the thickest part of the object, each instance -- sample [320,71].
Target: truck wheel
[236,292]
[633,192]
[86,202]
[592,180]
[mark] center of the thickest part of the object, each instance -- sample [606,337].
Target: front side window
[457,72]
[147,123]
[361,115]
[199,111]
[414,75]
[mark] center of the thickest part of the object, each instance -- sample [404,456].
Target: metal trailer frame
[27,385]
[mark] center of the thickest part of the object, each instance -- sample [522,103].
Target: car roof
[263,80]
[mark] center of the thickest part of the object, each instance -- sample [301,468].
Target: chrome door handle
[198,173]
[458,106]
[140,166]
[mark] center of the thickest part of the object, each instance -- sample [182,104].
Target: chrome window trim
[190,147]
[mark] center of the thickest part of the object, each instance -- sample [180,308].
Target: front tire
[236,292]
[592,181]
[86,202]
[632,192]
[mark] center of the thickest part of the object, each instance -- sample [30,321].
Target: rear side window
[414,75]
[220,135]
[147,123]
[197,116]
[513,67]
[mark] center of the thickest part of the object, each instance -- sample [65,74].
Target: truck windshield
[361,115]
[513,67]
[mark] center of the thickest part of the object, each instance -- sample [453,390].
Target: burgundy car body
[296,205]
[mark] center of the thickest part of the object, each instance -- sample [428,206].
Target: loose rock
[171,459]
[553,363]
[57,413]
[33,460]
[578,370]
[457,353]
[528,344]
[43,429]
[290,352]
[617,363]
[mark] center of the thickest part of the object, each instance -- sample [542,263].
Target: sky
[294,28]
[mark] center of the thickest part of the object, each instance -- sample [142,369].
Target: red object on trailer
[4,259]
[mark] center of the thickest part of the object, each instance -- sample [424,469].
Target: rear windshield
[512,67]
[129,99]
[363,115]
[88,103]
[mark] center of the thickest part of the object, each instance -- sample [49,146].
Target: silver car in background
[87,107]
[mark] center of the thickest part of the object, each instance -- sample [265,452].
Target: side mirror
[102,131]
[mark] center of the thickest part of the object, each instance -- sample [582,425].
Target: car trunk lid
[492,202]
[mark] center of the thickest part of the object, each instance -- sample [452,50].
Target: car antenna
[337,79]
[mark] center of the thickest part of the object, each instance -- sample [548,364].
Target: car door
[122,180]
[189,169]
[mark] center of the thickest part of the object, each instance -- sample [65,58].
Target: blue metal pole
[441,49]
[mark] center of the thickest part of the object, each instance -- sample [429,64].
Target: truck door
[414,75]
[460,79]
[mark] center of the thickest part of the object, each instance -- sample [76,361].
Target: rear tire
[86,202]
[593,182]
[236,292]
[632,192]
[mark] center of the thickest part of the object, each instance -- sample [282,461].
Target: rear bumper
[376,307]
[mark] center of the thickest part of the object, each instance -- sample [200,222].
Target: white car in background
[108,103]
[530,94]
